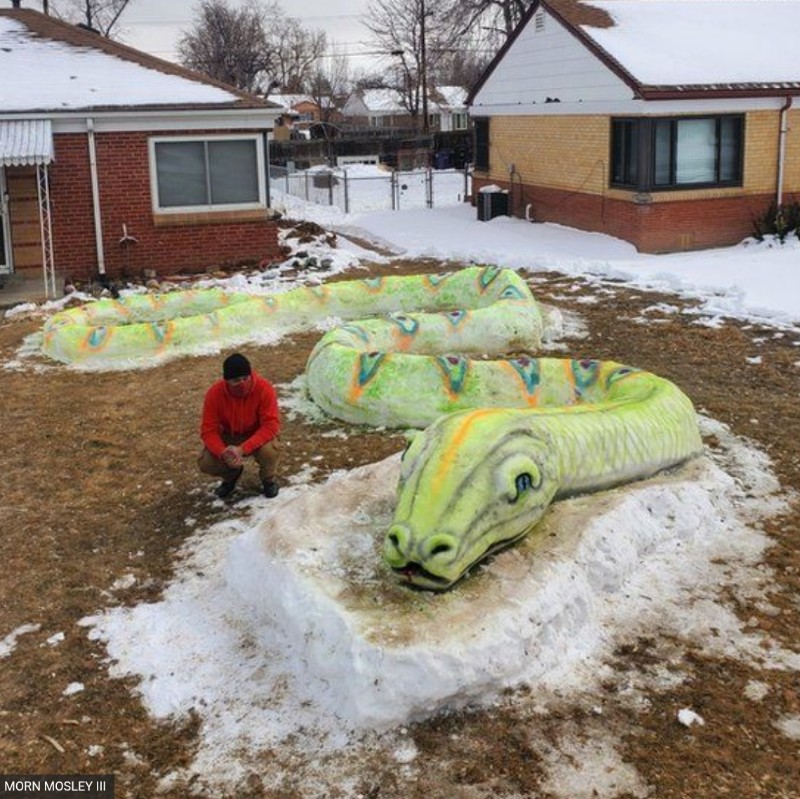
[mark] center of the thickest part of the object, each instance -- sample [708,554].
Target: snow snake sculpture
[501,438]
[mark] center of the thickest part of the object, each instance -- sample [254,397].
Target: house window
[459,120]
[482,144]
[625,152]
[685,152]
[208,174]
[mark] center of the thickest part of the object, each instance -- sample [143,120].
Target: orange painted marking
[354,395]
[531,399]
[455,444]
[402,340]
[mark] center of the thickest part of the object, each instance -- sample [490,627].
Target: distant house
[448,108]
[385,108]
[113,162]
[301,109]
[669,123]
[303,117]
[377,108]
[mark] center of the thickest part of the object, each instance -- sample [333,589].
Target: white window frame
[193,209]
[460,120]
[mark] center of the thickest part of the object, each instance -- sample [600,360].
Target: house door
[5,227]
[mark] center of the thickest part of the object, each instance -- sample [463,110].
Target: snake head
[469,484]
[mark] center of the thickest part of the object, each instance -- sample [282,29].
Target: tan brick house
[670,123]
[113,162]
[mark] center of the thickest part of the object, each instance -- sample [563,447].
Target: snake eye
[525,481]
[522,483]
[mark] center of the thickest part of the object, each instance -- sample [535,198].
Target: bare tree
[463,68]
[329,85]
[229,44]
[99,15]
[497,16]
[253,46]
[418,36]
[296,50]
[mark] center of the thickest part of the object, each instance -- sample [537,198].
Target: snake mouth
[416,576]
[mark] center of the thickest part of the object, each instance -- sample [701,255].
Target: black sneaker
[270,488]
[227,487]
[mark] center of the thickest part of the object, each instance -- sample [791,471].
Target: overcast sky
[155,25]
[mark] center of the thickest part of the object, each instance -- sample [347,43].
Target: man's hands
[232,456]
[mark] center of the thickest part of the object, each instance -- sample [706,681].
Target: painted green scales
[502,439]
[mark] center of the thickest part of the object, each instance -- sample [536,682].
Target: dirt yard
[98,477]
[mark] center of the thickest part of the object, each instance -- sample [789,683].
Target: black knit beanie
[235,365]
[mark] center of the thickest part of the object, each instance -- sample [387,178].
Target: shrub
[778,221]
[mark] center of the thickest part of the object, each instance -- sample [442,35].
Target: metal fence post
[346,193]
[429,187]
[306,174]
[330,187]
[393,188]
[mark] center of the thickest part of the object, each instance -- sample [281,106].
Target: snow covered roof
[453,96]
[48,65]
[291,100]
[679,48]
[390,101]
[387,100]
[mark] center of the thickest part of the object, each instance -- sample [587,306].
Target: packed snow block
[374,652]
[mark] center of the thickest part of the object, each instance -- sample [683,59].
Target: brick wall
[560,174]
[190,244]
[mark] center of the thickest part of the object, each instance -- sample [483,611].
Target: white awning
[26,142]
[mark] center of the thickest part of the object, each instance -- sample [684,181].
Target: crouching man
[240,419]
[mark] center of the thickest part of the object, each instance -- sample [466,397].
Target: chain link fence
[353,192]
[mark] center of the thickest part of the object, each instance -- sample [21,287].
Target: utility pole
[424,68]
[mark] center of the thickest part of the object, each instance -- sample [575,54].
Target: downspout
[98,221]
[268,187]
[784,127]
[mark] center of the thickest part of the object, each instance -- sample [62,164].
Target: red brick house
[673,124]
[115,163]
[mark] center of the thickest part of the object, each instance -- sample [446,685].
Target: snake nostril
[393,539]
[440,544]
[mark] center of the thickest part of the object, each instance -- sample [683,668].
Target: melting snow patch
[585,769]
[790,726]
[9,643]
[756,691]
[688,717]
[74,688]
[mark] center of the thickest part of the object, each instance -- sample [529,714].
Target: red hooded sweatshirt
[254,417]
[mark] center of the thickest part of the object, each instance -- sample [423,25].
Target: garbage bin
[492,204]
[443,159]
